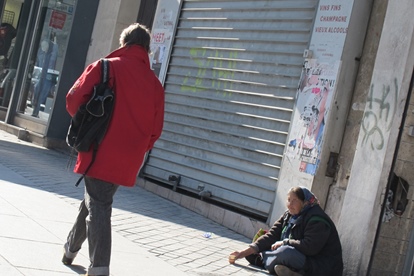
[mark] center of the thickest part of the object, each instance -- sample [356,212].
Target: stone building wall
[395,232]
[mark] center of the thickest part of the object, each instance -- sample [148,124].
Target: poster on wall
[330,29]
[159,45]
[312,109]
[162,35]
[317,85]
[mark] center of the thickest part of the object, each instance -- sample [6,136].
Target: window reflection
[44,77]
[47,57]
[7,38]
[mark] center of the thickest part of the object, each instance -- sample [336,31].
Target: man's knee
[284,255]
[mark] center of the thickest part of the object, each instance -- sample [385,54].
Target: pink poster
[314,94]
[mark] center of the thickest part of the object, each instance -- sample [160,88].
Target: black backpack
[88,126]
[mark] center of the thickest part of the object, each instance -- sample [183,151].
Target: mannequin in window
[7,33]
[46,59]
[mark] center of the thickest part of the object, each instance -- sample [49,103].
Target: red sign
[158,37]
[57,20]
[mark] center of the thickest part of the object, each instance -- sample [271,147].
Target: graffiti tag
[379,116]
[221,71]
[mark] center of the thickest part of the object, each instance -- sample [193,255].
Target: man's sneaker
[66,252]
[66,260]
[282,270]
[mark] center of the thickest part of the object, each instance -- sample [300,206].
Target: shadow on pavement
[77,268]
[48,170]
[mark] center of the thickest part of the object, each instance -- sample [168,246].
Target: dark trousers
[94,223]
[41,91]
[285,255]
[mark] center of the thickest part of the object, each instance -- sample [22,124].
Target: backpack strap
[104,70]
[95,149]
[104,79]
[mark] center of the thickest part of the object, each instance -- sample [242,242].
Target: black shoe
[255,259]
[282,270]
[66,260]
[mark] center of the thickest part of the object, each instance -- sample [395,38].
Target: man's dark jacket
[314,235]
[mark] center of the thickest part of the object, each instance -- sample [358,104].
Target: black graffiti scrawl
[379,115]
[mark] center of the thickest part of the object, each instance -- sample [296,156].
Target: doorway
[30,78]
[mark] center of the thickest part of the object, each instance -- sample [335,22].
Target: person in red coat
[136,124]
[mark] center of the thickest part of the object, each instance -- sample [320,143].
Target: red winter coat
[137,118]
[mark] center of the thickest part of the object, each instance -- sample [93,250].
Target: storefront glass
[46,58]
[12,11]
[33,39]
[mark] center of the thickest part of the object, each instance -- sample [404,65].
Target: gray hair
[136,34]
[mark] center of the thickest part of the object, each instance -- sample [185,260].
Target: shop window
[47,58]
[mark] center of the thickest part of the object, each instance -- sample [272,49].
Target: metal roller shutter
[230,90]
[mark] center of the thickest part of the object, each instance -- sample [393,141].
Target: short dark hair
[136,34]
[298,192]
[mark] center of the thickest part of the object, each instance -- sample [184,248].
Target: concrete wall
[394,237]
[377,137]
[356,112]
[345,88]
[105,37]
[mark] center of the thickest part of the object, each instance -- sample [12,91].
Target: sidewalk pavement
[151,235]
